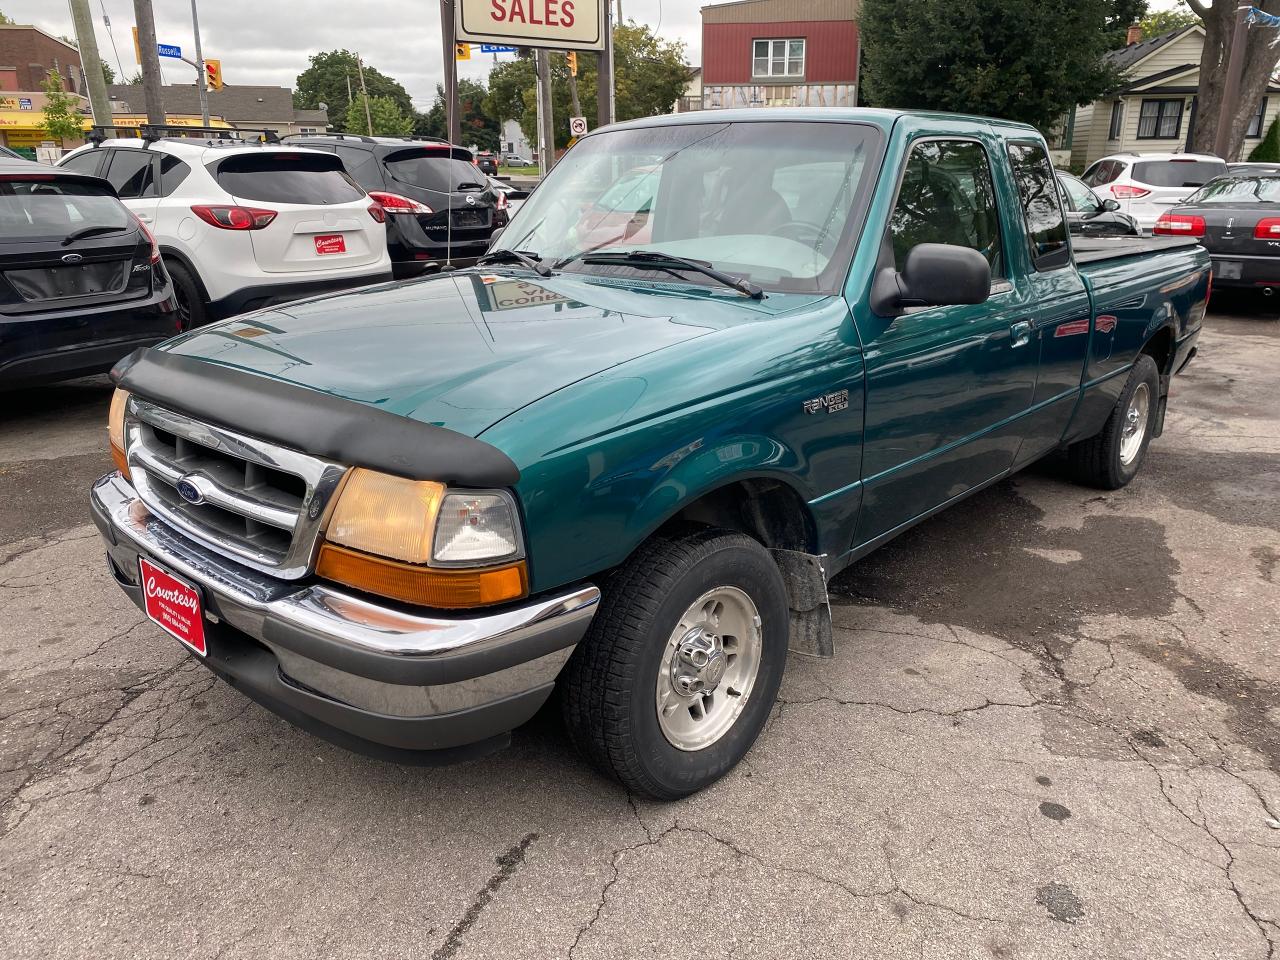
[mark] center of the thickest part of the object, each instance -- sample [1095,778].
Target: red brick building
[27,54]
[780,53]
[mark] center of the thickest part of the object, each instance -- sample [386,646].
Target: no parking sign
[577,126]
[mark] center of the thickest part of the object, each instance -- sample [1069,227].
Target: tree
[1268,151]
[1027,60]
[388,119]
[5,20]
[475,125]
[333,75]
[108,74]
[1261,54]
[1120,16]
[1160,22]
[62,120]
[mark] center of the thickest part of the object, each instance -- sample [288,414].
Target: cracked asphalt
[1051,729]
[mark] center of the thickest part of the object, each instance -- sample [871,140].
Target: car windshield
[1239,190]
[1177,173]
[774,202]
[45,208]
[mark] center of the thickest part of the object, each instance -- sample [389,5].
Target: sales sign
[550,24]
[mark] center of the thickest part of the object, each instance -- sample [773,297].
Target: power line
[111,35]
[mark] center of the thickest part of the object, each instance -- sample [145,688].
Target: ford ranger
[715,359]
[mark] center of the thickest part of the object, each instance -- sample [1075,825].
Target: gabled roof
[1126,57]
[237,102]
[1155,78]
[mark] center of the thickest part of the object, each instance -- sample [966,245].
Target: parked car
[440,207]
[487,162]
[1237,219]
[515,160]
[241,224]
[1146,185]
[1088,215]
[630,472]
[81,279]
[1253,167]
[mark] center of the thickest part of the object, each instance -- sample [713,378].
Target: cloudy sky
[269,41]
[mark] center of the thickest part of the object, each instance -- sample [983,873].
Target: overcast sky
[270,41]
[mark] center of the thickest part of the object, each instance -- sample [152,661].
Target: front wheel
[681,666]
[1112,457]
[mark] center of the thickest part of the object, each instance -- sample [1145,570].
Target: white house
[1156,109]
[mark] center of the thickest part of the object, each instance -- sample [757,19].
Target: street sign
[169,50]
[548,24]
[496,48]
[462,51]
[577,126]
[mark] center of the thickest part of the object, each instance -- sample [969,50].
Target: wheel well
[767,510]
[168,253]
[1160,349]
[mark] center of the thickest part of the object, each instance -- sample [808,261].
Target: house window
[778,58]
[1255,122]
[1117,120]
[1160,120]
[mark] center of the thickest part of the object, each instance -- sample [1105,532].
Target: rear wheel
[192,309]
[679,671]
[1112,457]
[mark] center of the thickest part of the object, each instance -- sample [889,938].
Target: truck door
[945,385]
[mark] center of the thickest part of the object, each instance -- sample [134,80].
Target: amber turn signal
[115,430]
[425,586]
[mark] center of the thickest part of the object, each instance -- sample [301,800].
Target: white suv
[1148,184]
[243,225]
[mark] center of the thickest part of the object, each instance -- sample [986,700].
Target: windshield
[45,208]
[775,202]
[277,177]
[1239,190]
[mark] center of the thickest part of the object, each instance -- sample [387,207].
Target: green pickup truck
[714,360]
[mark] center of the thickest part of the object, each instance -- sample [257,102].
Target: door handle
[1020,333]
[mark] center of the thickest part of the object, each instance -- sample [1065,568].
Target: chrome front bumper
[361,673]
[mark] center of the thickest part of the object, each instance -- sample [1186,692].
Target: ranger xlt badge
[830,402]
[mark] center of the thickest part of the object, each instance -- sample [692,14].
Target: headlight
[414,541]
[115,430]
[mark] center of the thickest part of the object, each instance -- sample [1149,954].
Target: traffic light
[462,51]
[572,57]
[213,74]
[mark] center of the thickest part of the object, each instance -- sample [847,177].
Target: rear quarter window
[434,170]
[1104,171]
[49,209]
[275,177]
[1177,173]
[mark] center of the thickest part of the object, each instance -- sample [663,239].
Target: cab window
[1041,205]
[947,196]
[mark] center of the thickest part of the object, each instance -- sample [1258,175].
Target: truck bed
[1096,249]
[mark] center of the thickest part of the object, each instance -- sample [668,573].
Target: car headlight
[413,540]
[115,430]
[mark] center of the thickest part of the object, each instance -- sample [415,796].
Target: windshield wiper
[89,232]
[524,257]
[665,261]
[469,185]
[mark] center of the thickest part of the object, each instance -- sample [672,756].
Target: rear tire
[193,309]
[680,668]
[1112,457]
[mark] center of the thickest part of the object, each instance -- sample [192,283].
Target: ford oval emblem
[71,258]
[189,491]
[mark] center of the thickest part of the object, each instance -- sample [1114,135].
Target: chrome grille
[262,504]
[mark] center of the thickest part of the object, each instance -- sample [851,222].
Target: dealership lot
[1052,728]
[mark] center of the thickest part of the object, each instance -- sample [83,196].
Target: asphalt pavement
[1051,729]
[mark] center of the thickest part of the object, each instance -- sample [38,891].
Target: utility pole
[151,79]
[606,109]
[449,34]
[200,75]
[1231,88]
[87,42]
[364,94]
[546,123]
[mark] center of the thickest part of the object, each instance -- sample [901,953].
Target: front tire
[681,666]
[1112,457]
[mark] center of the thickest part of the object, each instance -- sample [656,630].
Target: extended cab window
[947,196]
[1041,205]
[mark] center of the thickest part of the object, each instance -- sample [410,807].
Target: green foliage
[1119,16]
[476,127]
[325,81]
[1026,60]
[62,120]
[1268,149]
[4,19]
[650,75]
[108,74]
[1160,22]
[387,117]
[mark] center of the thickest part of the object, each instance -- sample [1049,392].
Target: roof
[187,146]
[882,118]
[776,11]
[1126,57]
[32,168]
[236,103]
[46,34]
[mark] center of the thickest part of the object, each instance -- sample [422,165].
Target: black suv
[440,207]
[81,280]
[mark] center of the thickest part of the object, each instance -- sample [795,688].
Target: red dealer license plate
[333,243]
[173,604]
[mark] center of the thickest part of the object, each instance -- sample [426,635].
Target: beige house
[1155,110]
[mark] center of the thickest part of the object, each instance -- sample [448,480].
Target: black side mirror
[1111,206]
[934,275]
[493,237]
